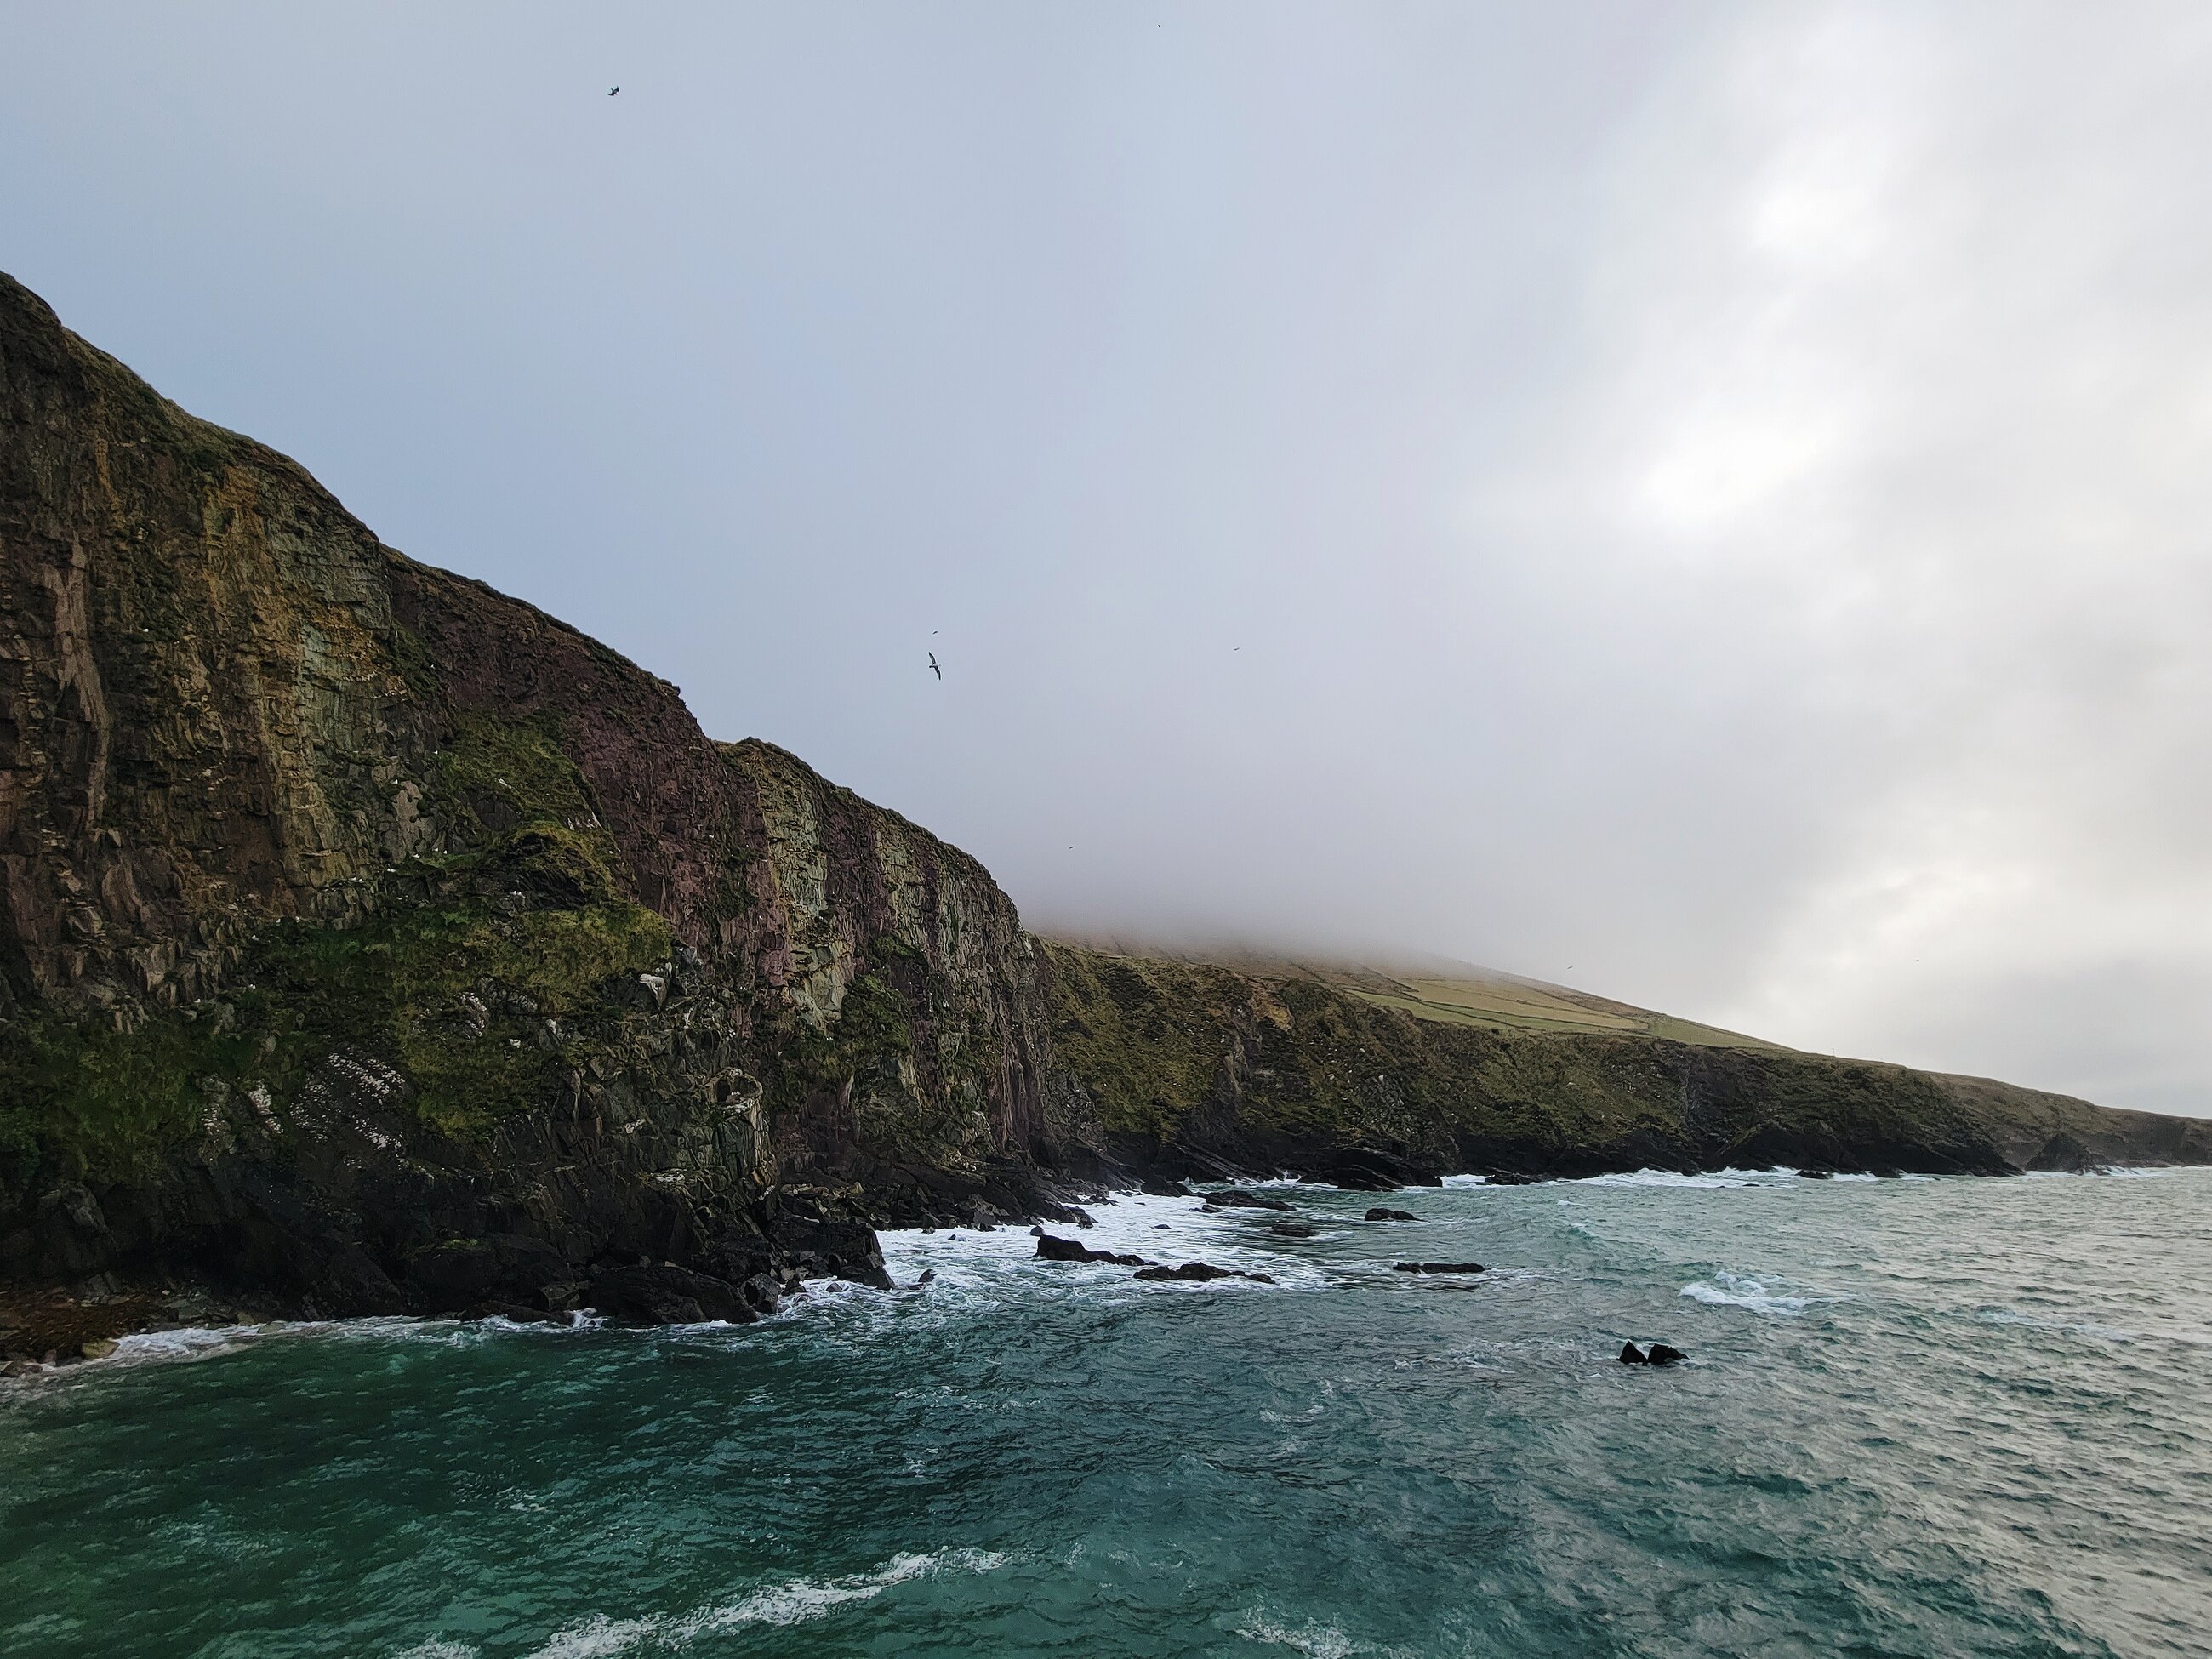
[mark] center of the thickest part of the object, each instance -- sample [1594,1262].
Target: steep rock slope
[1192,1067]
[370,939]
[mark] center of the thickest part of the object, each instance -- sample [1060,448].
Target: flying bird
[612,91]
[934,668]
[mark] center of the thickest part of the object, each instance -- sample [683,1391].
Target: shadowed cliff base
[373,942]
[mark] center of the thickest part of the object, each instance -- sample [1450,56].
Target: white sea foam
[1728,1290]
[977,1268]
[1320,1641]
[793,1602]
[2107,1171]
[1711,1181]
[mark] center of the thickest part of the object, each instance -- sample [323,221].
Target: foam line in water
[1728,1290]
[792,1601]
[1318,1641]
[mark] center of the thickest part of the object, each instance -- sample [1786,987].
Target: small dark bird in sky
[612,91]
[934,668]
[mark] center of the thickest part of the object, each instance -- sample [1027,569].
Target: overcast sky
[1706,503]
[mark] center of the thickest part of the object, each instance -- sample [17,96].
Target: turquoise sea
[1920,1417]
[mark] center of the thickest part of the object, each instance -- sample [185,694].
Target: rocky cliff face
[1198,1069]
[370,939]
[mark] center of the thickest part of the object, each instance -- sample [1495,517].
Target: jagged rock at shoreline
[373,942]
[1235,1201]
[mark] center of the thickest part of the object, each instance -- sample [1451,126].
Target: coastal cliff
[372,942]
[1199,1068]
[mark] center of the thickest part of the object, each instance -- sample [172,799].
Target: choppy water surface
[1922,1417]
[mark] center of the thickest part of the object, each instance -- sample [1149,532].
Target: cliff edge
[370,940]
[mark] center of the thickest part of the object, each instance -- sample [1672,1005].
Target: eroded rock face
[1200,1071]
[373,938]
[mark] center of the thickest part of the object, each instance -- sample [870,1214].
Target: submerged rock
[1290,1230]
[1438,1267]
[1380,1214]
[1660,1354]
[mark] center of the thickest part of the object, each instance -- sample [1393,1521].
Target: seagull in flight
[612,91]
[934,668]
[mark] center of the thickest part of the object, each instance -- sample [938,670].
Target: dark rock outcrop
[1051,1249]
[1240,1200]
[2064,1154]
[1290,1230]
[1201,1272]
[1438,1268]
[1379,1214]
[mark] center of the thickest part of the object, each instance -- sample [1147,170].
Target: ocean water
[1920,1417]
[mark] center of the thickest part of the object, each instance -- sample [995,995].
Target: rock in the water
[1438,1268]
[927,1274]
[1051,1249]
[1816,1174]
[1660,1354]
[1159,1189]
[1290,1230]
[1202,1272]
[1632,1355]
[1509,1178]
[1243,1200]
[1381,1214]
[97,1347]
